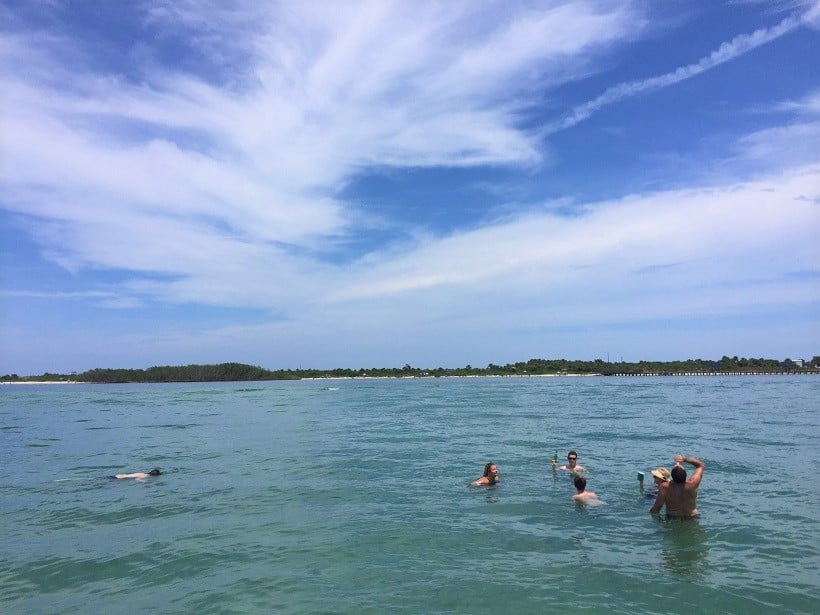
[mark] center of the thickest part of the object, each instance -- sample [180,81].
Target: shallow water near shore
[351,496]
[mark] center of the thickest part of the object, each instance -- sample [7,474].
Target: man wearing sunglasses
[572,464]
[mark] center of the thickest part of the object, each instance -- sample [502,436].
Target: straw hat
[663,474]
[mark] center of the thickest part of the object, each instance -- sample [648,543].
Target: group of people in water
[674,489]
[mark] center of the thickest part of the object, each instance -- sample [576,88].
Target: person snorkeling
[138,475]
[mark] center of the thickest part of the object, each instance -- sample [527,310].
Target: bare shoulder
[586,495]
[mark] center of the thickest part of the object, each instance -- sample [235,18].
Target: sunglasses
[572,458]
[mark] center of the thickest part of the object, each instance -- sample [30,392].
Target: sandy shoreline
[45,382]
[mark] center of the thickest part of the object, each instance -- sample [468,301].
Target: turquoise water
[352,496]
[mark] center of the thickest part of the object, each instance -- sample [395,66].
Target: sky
[374,184]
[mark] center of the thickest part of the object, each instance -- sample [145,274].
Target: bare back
[682,500]
[585,495]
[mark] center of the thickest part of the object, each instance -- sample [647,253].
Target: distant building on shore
[789,364]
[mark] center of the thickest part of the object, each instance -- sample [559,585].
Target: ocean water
[343,496]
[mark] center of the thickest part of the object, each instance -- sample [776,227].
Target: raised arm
[699,467]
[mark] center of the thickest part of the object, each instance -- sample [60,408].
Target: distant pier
[626,374]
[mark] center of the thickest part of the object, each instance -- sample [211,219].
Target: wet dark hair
[154,472]
[580,483]
[571,453]
[679,474]
[487,469]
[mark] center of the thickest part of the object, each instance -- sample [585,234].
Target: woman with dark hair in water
[490,476]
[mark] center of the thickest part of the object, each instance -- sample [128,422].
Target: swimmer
[680,496]
[583,495]
[138,475]
[490,476]
[572,464]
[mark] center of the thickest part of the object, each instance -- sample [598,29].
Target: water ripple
[305,497]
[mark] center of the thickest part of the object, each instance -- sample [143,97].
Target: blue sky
[345,184]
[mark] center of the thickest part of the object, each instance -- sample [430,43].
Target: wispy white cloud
[730,50]
[84,294]
[102,299]
[787,145]
[808,105]
[175,172]
[613,241]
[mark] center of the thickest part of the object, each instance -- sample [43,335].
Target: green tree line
[236,372]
